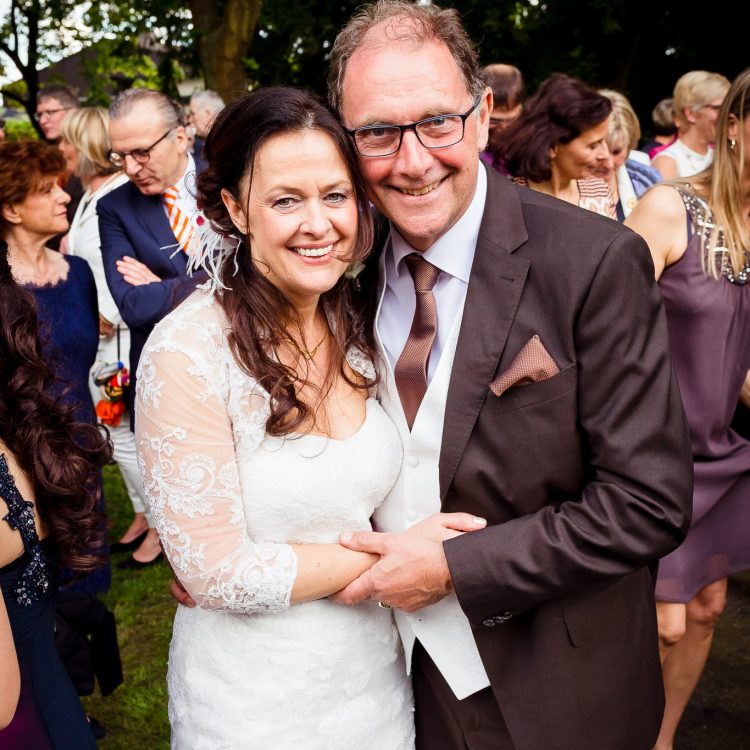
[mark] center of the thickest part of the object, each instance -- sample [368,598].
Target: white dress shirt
[441,628]
[187,192]
[453,254]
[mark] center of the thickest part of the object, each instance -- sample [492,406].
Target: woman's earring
[732,143]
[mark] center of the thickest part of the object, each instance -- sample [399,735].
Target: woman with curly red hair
[49,490]
[33,211]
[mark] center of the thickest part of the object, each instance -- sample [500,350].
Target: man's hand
[178,592]
[135,272]
[412,572]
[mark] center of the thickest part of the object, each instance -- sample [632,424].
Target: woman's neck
[693,140]
[564,188]
[29,258]
[92,184]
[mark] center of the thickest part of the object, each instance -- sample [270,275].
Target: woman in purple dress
[699,235]
[32,211]
[48,495]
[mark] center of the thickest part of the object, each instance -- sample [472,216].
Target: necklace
[307,354]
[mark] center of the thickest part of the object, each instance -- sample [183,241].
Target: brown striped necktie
[179,221]
[411,369]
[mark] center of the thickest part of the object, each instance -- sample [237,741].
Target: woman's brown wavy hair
[60,456]
[259,315]
[562,108]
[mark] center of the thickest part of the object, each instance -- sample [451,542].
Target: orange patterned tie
[411,369]
[179,222]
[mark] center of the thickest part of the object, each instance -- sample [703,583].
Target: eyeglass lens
[435,132]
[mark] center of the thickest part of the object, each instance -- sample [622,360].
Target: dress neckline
[357,433]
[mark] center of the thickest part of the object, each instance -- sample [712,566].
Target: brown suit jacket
[585,477]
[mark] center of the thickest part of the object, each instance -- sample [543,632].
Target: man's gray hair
[404,21]
[207,99]
[171,111]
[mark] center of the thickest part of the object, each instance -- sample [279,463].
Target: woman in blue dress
[32,211]
[49,491]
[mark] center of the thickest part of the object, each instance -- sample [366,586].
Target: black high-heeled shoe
[116,547]
[130,563]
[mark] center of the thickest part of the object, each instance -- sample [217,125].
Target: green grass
[135,715]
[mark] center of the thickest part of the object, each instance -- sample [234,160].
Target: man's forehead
[400,81]
[48,102]
[143,122]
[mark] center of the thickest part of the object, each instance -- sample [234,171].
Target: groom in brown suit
[559,420]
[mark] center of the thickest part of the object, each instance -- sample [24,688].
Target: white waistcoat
[442,628]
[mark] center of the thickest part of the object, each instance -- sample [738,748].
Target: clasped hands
[412,571]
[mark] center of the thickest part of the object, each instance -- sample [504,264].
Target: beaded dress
[49,715]
[709,336]
[247,669]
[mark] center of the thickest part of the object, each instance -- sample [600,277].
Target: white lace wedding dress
[246,668]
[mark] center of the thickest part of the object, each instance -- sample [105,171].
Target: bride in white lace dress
[259,444]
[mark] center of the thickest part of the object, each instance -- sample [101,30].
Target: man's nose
[413,158]
[130,166]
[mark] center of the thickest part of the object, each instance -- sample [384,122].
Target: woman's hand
[745,392]
[106,329]
[441,526]
[135,272]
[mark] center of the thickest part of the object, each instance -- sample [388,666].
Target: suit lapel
[149,210]
[495,287]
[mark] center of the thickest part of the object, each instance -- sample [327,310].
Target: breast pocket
[523,396]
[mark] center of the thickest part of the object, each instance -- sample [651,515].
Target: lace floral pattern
[247,670]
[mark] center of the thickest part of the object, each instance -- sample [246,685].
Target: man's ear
[10,213]
[236,214]
[485,109]
[182,140]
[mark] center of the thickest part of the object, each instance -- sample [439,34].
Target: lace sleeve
[187,457]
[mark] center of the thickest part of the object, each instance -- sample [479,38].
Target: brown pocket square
[532,364]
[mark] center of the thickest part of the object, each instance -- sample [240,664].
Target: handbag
[112,378]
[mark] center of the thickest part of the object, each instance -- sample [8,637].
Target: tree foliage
[640,47]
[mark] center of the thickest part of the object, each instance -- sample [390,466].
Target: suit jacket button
[489,623]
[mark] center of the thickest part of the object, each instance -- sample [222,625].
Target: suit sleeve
[140,306]
[636,507]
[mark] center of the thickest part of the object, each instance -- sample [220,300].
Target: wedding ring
[384,605]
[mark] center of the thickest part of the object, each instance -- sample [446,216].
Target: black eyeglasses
[141,155]
[49,112]
[439,131]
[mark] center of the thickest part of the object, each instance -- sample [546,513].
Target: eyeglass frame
[49,112]
[413,127]
[120,162]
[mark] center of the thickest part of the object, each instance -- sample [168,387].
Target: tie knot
[170,193]
[424,274]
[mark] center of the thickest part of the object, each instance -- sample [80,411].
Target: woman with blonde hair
[627,171]
[698,233]
[697,100]
[85,146]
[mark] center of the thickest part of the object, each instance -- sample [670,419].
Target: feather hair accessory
[210,249]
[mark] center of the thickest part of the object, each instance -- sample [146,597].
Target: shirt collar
[186,184]
[452,252]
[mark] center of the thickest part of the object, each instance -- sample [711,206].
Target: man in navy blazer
[143,261]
